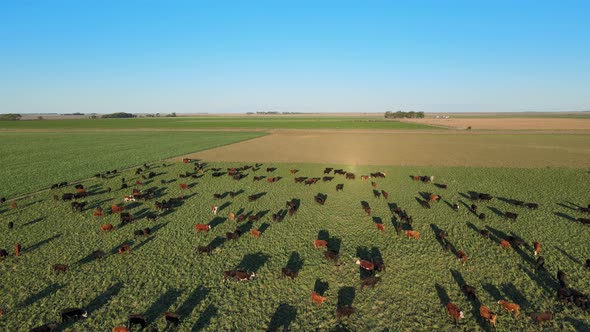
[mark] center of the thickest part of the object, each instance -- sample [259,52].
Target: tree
[118,115]
[10,117]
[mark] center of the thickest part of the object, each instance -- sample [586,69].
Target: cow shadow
[364,203]
[467,207]
[238,193]
[543,279]
[572,207]
[570,257]
[447,203]
[192,301]
[515,295]
[132,205]
[41,243]
[34,221]
[161,305]
[323,235]
[377,220]
[474,301]
[442,294]
[363,253]
[87,259]
[496,235]
[565,216]
[376,254]
[493,291]
[392,206]
[217,242]
[458,277]
[240,211]
[334,244]
[424,195]
[440,185]
[505,200]
[143,243]
[47,291]
[262,214]
[283,316]
[320,287]
[246,227]
[436,230]
[295,262]
[346,296]
[142,213]
[104,298]
[253,262]
[419,200]
[96,204]
[395,223]
[223,206]
[263,228]
[205,318]
[473,227]
[578,324]
[496,211]
[465,195]
[216,221]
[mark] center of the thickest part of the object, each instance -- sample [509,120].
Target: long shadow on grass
[565,216]
[515,295]
[323,235]
[115,250]
[161,305]
[253,262]
[223,206]
[475,303]
[578,324]
[442,294]
[363,253]
[295,263]
[543,279]
[496,211]
[217,242]
[263,228]
[41,243]
[493,291]
[193,300]
[468,207]
[334,244]
[377,220]
[34,221]
[49,290]
[473,227]
[283,317]
[437,231]
[205,318]
[566,254]
[572,207]
[217,221]
[96,204]
[346,296]
[320,286]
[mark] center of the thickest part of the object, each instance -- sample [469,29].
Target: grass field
[217,122]
[164,273]
[32,161]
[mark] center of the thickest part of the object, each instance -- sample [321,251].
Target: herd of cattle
[368,267]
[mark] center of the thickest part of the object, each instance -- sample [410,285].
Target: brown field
[508,123]
[419,148]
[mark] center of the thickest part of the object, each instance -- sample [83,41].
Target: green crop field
[217,122]
[163,272]
[31,161]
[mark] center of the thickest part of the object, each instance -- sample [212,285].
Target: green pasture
[31,161]
[206,122]
[164,272]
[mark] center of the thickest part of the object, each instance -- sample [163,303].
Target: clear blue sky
[309,56]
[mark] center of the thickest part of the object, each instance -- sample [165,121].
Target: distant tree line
[118,115]
[10,117]
[400,114]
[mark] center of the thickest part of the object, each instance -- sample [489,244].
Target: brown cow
[454,311]
[413,234]
[505,244]
[183,186]
[120,329]
[364,177]
[17,249]
[106,228]
[542,317]
[202,228]
[374,184]
[434,198]
[537,247]
[380,227]
[124,249]
[232,216]
[317,298]
[13,205]
[486,314]
[462,256]
[320,244]
[508,306]
[60,268]
[255,233]
[117,209]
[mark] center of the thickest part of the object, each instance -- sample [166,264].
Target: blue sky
[305,56]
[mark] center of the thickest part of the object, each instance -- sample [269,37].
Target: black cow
[510,215]
[532,206]
[171,319]
[561,278]
[469,291]
[125,218]
[340,187]
[328,170]
[135,319]
[345,311]
[482,216]
[67,197]
[584,221]
[73,313]
[425,204]
[331,255]
[10,225]
[485,233]
[204,250]
[327,178]
[142,232]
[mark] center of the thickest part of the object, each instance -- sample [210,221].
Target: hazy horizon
[309,57]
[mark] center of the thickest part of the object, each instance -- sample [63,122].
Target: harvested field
[508,123]
[432,148]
